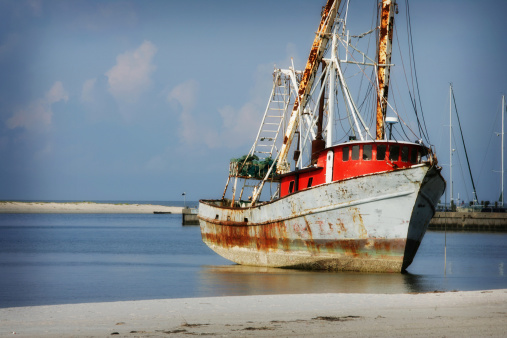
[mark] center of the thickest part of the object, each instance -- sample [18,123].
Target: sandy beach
[82,208]
[451,314]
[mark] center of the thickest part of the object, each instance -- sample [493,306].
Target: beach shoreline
[450,314]
[13,207]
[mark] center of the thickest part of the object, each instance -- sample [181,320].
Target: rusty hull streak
[240,237]
[375,255]
[340,189]
[292,234]
[273,237]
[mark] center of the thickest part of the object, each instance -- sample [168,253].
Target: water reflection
[475,261]
[238,280]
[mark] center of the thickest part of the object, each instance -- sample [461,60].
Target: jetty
[469,221]
[189,216]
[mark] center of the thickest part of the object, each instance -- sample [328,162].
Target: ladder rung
[262,152]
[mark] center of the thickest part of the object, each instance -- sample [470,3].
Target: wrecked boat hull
[371,223]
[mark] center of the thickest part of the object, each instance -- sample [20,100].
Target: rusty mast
[383,63]
[315,59]
[312,65]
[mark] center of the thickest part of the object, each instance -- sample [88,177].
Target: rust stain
[358,221]
[274,237]
[341,225]
[308,228]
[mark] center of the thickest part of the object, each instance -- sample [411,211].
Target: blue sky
[142,100]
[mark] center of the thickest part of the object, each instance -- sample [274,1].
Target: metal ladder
[274,116]
[267,136]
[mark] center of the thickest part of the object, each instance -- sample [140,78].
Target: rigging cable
[463,140]
[461,168]
[411,48]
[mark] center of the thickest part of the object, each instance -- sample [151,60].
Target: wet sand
[83,208]
[451,314]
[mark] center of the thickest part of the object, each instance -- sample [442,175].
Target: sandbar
[83,208]
[449,314]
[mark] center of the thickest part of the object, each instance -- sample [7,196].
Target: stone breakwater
[469,221]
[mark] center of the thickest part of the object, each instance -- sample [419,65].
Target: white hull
[368,223]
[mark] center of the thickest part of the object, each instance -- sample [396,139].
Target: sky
[145,100]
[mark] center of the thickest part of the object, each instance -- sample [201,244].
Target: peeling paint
[346,238]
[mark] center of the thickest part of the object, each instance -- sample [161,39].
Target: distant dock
[189,216]
[469,221]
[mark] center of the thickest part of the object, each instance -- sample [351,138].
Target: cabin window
[404,154]
[367,152]
[216,216]
[291,187]
[394,153]
[413,155]
[381,152]
[245,219]
[345,154]
[355,152]
[310,181]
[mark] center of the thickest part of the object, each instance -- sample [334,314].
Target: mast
[503,113]
[383,63]
[450,139]
[314,59]
[332,78]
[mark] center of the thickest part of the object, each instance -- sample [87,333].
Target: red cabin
[354,159]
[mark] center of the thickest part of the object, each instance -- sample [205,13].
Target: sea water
[80,258]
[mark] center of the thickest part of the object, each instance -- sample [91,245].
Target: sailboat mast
[450,139]
[503,114]
[383,63]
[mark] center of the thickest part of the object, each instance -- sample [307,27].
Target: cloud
[185,94]
[87,93]
[232,129]
[130,77]
[38,114]
[57,93]
[193,128]
[240,125]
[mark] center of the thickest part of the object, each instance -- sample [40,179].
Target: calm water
[77,258]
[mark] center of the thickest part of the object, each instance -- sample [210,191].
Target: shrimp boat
[352,202]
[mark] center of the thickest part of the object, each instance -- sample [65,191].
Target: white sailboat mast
[450,139]
[503,114]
